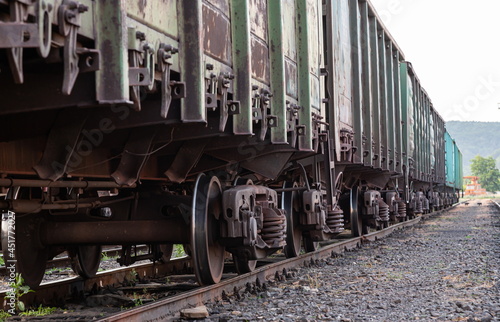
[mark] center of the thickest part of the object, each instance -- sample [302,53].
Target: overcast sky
[454,47]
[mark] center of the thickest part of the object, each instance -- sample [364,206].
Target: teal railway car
[453,167]
[228,126]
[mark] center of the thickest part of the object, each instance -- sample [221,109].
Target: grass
[40,311]
[105,257]
[178,251]
[4,315]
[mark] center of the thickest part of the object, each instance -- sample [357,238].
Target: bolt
[255,87]
[166,56]
[140,35]
[83,8]
[70,15]
[210,67]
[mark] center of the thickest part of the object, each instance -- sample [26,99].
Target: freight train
[229,126]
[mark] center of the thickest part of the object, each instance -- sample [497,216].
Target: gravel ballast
[445,269]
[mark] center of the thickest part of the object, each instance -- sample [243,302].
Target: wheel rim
[30,255]
[356,221]
[208,254]
[86,260]
[289,202]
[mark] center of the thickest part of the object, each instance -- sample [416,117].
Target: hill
[476,138]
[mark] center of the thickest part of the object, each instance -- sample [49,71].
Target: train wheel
[85,260]
[207,253]
[356,220]
[31,257]
[290,202]
[243,265]
[23,244]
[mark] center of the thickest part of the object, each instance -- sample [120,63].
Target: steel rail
[168,308]
[68,287]
[65,261]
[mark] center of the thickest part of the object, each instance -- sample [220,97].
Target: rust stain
[142,6]
[260,61]
[216,35]
[291,78]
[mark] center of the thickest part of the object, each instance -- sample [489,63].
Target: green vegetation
[178,251]
[4,315]
[476,138]
[18,290]
[105,257]
[40,311]
[489,175]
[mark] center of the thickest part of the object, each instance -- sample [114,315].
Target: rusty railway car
[246,126]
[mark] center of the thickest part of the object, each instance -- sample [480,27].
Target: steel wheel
[208,254]
[85,260]
[356,220]
[30,255]
[243,265]
[290,202]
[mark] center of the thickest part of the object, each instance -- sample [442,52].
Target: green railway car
[246,126]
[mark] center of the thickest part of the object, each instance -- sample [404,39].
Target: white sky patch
[455,50]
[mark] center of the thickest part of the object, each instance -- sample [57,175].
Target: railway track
[169,307]
[75,287]
[64,260]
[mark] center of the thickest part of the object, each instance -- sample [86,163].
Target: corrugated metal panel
[450,159]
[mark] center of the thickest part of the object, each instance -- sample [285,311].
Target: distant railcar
[246,126]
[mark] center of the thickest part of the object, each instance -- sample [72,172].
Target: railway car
[240,126]
[454,170]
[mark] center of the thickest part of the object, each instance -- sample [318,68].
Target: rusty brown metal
[61,184]
[169,230]
[217,35]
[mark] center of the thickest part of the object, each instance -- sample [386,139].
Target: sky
[454,47]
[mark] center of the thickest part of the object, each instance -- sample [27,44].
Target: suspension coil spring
[274,227]
[383,210]
[335,220]
[418,206]
[401,208]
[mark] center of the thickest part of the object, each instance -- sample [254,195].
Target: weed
[132,277]
[4,315]
[178,251]
[40,311]
[394,276]
[313,281]
[137,300]
[55,270]
[18,290]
